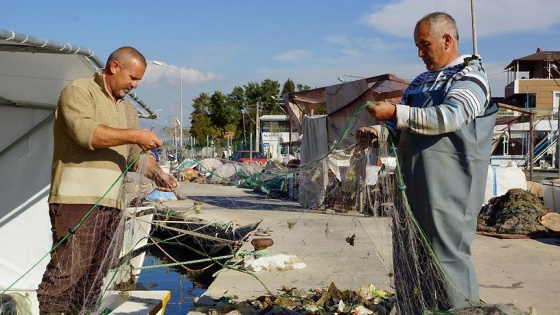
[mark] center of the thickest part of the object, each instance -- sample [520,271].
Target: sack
[158,195]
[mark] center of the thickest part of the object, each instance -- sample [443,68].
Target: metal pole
[251,148]
[181,104]
[257,135]
[161,64]
[531,146]
[175,133]
[473,23]
[244,130]
[558,141]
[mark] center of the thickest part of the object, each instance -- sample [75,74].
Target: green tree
[302,87]
[201,124]
[224,115]
[236,112]
[289,87]
[236,100]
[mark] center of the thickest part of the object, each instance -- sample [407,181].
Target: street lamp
[161,64]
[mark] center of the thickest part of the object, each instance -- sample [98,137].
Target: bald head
[125,54]
[124,69]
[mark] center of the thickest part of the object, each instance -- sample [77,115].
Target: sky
[217,45]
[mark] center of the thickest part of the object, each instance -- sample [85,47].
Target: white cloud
[293,55]
[492,17]
[156,73]
[337,39]
[352,52]
[379,44]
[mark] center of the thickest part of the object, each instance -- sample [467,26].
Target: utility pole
[473,24]
[258,131]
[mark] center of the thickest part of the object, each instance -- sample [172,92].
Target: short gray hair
[440,24]
[125,54]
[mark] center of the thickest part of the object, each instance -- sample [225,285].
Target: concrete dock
[523,272]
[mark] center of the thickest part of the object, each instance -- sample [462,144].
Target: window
[275,126]
[555,100]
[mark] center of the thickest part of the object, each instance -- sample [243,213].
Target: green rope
[342,135]
[337,144]
[209,259]
[402,188]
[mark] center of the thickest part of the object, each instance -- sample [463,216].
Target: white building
[276,135]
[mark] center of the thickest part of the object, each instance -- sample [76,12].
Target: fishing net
[354,177]
[341,174]
[121,237]
[357,177]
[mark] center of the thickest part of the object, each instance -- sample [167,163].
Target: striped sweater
[466,90]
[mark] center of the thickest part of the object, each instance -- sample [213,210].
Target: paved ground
[519,271]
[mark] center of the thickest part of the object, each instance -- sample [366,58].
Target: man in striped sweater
[97,136]
[443,126]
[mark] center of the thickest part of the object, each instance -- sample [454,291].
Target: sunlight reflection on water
[182,289]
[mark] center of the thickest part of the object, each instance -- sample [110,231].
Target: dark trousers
[74,276]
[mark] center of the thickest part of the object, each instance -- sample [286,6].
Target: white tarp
[503,178]
[25,168]
[33,72]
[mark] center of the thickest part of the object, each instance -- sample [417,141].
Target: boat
[198,247]
[33,71]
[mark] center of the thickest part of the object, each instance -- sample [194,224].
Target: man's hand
[106,137]
[147,139]
[383,111]
[164,181]
[367,136]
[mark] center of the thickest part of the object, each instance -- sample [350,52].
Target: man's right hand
[106,137]
[147,139]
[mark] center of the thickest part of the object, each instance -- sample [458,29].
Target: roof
[274,118]
[340,102]
[525,63]
[33,71]
[385,86]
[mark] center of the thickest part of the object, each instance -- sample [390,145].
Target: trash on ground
[276,262]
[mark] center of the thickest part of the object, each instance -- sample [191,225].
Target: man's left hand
[164,181]
[383,111]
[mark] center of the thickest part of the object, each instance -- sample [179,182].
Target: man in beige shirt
[97,136]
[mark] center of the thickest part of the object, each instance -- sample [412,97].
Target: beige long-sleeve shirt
[80,173]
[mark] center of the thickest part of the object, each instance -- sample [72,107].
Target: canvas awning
[33,71]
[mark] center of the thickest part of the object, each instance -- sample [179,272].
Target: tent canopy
[33,71]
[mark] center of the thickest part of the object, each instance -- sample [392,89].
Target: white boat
[33,71]
[551,194]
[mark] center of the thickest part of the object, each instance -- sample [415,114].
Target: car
[248,157]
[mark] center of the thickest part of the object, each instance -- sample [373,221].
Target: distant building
[276,135]
[534,81]
[533,88]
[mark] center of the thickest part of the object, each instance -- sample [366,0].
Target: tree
[224,115]
[236,100]
[302,87]
[201,124]
[289,87]
[215,115]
